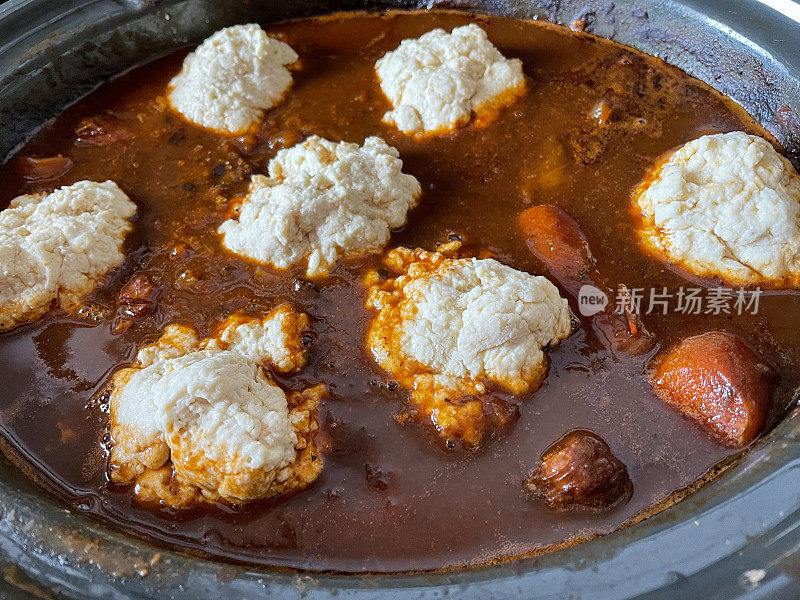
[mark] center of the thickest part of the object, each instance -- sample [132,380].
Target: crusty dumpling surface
[446,326]
[58,246]
[229,81]
[435,82]
[322,201]
[727,206]
[207,409]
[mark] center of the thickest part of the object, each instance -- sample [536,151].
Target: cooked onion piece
[727,206]
[720,382]
[445,327]
[437,81]
[232,78]
[200,420]
[57,247]
[322,201]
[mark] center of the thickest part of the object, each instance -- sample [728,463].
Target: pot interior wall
[45,69]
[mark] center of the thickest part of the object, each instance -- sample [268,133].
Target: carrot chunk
[556,239]
[716,379]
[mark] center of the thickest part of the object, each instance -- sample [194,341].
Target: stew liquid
[391,496]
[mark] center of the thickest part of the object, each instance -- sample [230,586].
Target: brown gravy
[390,497]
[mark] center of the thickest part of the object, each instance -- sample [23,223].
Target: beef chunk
[580,470]
[101,130]
[138,295]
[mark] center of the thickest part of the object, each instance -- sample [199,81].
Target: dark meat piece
[101,130]
[42,169]
[499,412]
[718,380]
[557,241]
[580,470]
[138,295]
[120,326]
[377,478]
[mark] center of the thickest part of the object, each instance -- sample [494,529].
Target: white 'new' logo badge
[591,300]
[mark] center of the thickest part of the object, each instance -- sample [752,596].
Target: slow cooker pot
[738,537]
